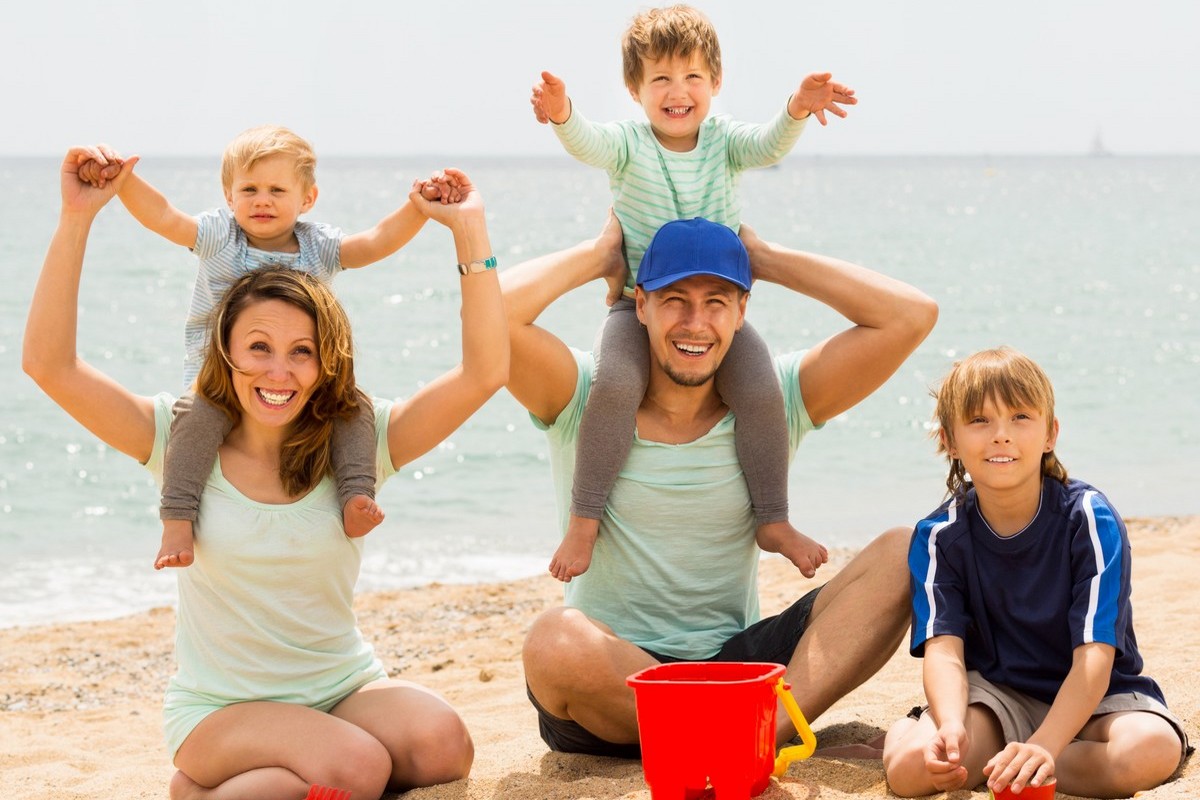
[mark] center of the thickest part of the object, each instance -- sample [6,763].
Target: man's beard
[687,380]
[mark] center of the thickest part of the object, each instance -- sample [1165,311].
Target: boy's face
[267,199]
[676,94]
[1002,447]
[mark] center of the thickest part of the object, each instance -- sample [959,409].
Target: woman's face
[273,346]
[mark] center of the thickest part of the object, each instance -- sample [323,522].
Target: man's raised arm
[890,319]
[543,373]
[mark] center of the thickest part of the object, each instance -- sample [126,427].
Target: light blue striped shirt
[225,255]
[652,186]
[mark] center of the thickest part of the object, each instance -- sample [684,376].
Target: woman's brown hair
[305,457]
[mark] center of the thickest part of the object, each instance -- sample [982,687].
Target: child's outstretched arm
[817,94]
[549,100]
[149,207]
[1031,763]
[389,235]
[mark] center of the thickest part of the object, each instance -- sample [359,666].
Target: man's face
[691,325]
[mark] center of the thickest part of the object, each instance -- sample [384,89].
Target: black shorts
[772,640]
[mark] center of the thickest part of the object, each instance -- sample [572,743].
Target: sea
[1091,265]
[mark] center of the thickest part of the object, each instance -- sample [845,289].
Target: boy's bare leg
[1118,754]
[574,553]
[360,515]
[782,538]
[176,549]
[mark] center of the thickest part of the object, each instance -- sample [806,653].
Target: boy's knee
[1152,758]
[904,770]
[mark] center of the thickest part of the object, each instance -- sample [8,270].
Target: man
[674,571]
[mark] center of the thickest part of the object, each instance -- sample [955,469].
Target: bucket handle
[800,751]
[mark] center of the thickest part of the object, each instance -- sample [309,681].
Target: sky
[445,77]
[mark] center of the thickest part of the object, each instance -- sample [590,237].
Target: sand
[80,702]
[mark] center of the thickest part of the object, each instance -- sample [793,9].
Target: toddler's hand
[99,171]
[818,94]
[549,100]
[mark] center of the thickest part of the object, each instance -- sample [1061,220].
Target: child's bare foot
[360,515]
[574,554]
[177,544]
[782,538]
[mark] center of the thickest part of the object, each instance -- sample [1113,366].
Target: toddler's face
[676,94]
[267,199]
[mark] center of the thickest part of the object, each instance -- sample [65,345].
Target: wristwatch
[477,266]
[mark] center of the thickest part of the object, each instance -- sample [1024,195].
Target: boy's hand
[818,94]
[1018,765]
[944,757]
[549,100]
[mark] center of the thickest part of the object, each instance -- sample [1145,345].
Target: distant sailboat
[1098,148]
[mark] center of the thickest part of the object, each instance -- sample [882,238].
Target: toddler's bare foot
[360,515]
[177,544]
[574,554]
[782,538]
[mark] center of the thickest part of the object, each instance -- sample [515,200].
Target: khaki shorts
[1020,715]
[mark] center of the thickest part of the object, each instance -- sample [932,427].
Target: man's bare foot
[177,544]
[574,554]
[360,515]
[872,749]
[782,538]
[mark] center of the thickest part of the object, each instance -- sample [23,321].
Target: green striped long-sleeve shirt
[652,185]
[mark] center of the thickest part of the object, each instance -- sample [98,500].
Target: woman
[276,690]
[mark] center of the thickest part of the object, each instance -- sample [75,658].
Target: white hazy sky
[399,77]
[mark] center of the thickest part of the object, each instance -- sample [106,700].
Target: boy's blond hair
[1001,375]
[664,32]
[253,145]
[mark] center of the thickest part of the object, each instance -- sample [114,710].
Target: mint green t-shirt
[265,611]
[675,567]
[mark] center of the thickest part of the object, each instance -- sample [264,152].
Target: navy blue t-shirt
[1023,603]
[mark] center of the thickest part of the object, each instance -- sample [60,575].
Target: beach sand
[80,702]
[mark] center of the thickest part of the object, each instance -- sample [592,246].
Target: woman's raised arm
[440,406]
[121,419]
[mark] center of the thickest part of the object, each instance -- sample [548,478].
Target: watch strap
[477,266]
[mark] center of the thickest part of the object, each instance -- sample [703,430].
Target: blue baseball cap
[686,247]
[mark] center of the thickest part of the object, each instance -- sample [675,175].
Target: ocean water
[1090,265]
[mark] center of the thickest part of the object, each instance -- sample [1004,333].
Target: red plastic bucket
[712,724]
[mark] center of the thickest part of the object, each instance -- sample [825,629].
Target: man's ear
[639,301]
